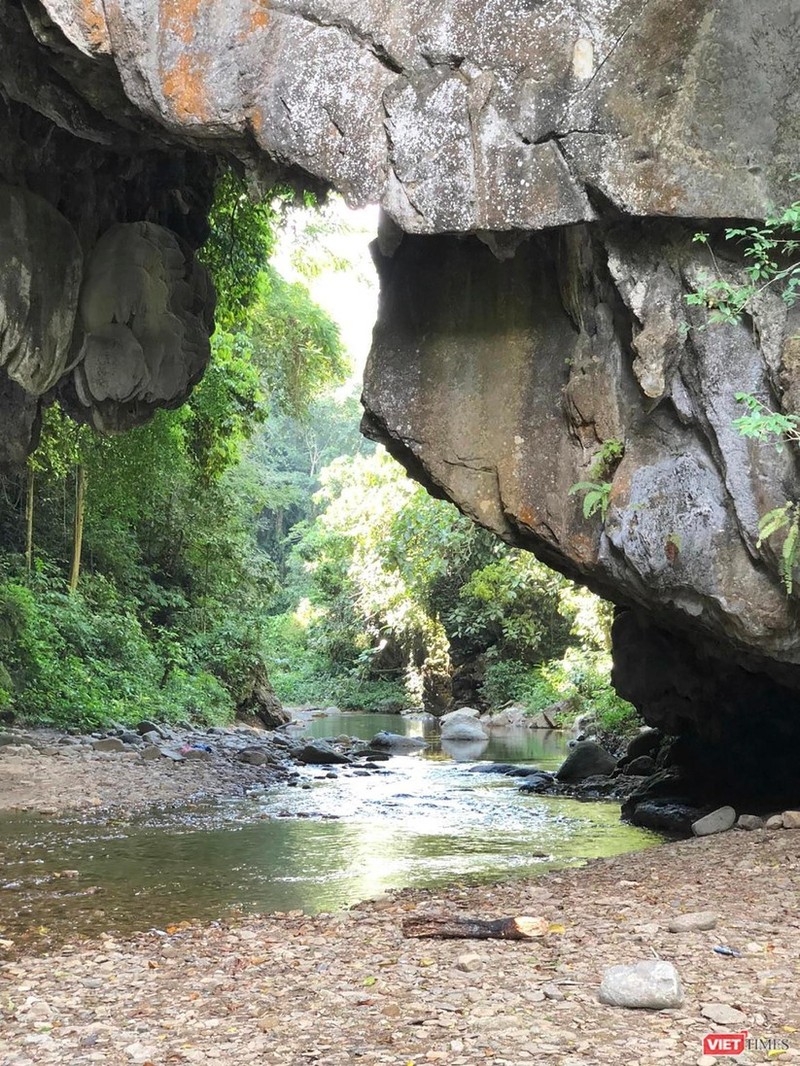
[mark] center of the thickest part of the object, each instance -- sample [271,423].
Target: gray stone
[552,991]
[644,743]
[718,821]
[723,1014]
[253,757]
[171,753]
[749,821]
[318,753]
[791,819]
[110,744]
[469,962]
[689,923]
[146,728]
[396,742]
[586,759]
[508,717]
[775,821]
[463,729]
[651,985]
[542,720]
[641,766]
[537,782]
[468,713]
[150,753]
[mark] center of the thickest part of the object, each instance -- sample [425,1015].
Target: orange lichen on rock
[180,17]
[184,88]
[93,22]
[259,16]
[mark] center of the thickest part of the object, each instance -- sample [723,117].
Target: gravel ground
[50,776]
[341,989]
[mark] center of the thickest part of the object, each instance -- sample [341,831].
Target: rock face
[542,169]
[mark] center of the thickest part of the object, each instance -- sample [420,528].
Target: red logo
[724,1043]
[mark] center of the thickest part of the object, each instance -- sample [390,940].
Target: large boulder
[587,759]
[320,753]
[397,742]
[463,729]
[258,703]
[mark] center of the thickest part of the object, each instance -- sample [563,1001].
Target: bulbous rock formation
[542,166]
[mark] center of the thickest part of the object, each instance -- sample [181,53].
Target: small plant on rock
[597,491]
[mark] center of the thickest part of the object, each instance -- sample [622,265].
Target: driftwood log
[451,928]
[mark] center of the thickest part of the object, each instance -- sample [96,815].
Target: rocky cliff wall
[542,166]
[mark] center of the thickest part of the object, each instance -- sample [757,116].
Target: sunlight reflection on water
[422,821]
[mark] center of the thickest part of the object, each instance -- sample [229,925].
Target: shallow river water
[424,821]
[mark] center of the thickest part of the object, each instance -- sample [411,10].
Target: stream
[324,844]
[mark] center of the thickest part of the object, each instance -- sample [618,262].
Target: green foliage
[177,576]
[597,490]
[785,518]
[761,423]
[240,243]
[607,459]
[596,498]
[771,254]
[83,660]
[391,584]
[294,344]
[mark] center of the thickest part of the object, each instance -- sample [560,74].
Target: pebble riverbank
[349,988]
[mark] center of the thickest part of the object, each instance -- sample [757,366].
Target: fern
[785,517]
[596,498]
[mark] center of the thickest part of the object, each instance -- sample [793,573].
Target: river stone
[586,759]
[171,753]
[775,821]
[397,742]
[146,726]
[642,766]
[460,712]
[253,757]
[718,821]
[723,1014]
[650,985]
[150,753]
[537,782]
[791,819]
[198,755]
[498,768]
[540,721]
[509,716]
[466,729]
[749,821]
[317,753]
[110,744]
[688,923]
[644,743]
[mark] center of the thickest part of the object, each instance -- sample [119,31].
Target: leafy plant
[763,424]
[597,496]
[771,262]
[786,517]
[597,490]
[607,459]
